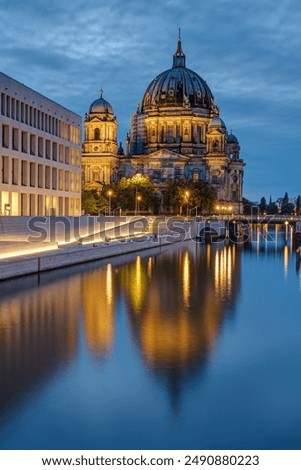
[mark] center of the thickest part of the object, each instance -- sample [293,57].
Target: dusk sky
[248,51]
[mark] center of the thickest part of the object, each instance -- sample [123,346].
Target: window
[32,144]
[18,110]
[61,153]
[5,170]
[48,147]
[8,106]
[26,114]
[32,174]
[54,178]
[40,176]
[15,139]
[22,112]
[15,168]
[3,104]
[61,182]
[195,176]
[40,147]
[54,151]
[24,141]
[97,134]
[47,177]
[170,136]
[5,136]
[66,180]
[67,155]
[13,101]
[24,173]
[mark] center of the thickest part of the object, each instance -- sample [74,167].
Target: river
[189,346]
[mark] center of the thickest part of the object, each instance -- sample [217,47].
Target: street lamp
[138,203]
[187,201]
[110,195]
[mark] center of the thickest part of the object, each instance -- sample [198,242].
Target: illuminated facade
[100,151]
[176,133]
[40,154]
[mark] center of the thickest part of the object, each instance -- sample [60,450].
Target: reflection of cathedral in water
[177,302]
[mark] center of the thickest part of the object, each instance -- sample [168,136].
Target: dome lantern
[179,59]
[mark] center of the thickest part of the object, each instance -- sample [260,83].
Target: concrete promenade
[90,240]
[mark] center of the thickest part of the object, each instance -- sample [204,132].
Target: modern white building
[40,154]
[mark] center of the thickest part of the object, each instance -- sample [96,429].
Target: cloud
[248,52]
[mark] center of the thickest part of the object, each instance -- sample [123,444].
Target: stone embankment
[32,246]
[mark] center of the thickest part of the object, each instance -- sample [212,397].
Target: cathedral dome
[101,106]
[178,86]
[232,139]
[217,123]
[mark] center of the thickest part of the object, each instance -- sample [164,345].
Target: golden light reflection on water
[39,330]
[186,279]
[175,305]
[99,309]
[181,310]
[285,259]
[224,266]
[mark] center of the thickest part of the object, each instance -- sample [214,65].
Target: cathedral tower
[100,150]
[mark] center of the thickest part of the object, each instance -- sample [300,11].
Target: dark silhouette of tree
[263,205]
[272,208]
[286,206]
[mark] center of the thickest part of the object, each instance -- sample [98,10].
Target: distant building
[176,133]
[40,154]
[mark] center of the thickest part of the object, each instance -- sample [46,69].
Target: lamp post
[110,196]
[138,203]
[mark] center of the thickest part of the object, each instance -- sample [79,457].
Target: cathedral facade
[176,133]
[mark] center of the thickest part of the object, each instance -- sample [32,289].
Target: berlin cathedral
[176,133]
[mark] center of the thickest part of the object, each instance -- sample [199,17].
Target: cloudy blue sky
[248,51]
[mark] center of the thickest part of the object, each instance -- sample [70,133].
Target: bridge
[238,226]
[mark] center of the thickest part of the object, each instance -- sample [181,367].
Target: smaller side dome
[232,139]
[101,106]
[217,123]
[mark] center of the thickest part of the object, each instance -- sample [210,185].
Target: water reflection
[179,314]
[38,333]
[99,310]
[174,300]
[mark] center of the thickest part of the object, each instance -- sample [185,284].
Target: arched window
[96,134]
[95,175]
[196,175]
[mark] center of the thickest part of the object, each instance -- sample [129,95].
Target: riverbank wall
[94,241]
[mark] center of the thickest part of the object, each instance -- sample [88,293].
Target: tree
[298,205]
[272,208]
[286,206]
[247,206]
[185,195]
[284,202]
[263,205]
[93,202]
[126,192]
[289,208]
